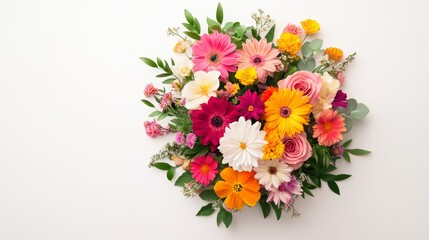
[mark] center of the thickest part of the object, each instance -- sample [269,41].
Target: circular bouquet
[257,119]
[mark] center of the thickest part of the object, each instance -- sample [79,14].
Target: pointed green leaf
[266,209]
[270,34]
[192,35]
[162,116]
[189,27]
[163,75]
[162,165]
[360,112]
[219,13]
[227,218]
[159,62]
[155,113]
[307,191]
[213,25]
[149,62]
[327,177]
[347,143]
[334,187]
[358,152]
[342,177]
[206,210]
[189,17]
[149,104]
[197,25]
[170,173]
[186,177]
[346,156]
[219,218]
[209,195]
[277,210]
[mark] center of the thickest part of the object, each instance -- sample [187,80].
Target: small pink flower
[307,82]
[204,169]
[190,140]
[166,101]
[180,139]
[150,90]
[297,150]
[154,129]
[292,28]
[285,192]
[341,77]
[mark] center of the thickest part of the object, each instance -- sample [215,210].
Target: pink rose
[297,150]
[307,82]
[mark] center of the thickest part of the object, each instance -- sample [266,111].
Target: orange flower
[238,188]
[334,54]
[266,94]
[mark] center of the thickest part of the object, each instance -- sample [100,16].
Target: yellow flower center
[250,108]
[237,187]
[327,126]
[243,145]
[204,169]
[204,89]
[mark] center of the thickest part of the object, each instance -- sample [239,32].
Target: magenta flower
[190,140]
[154,129]
[150,90]
[204,169]
[250,106]
[340,100]
[215,52]
[180,139]
[210,122]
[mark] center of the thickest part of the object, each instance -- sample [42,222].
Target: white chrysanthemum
[330,87]
[201,89]
[271,173]
[242,145]
[183,68]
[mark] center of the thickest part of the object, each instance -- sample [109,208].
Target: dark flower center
[257,60]
[284,112]
[217,121]
[213,57]
[272,170]
[237,187]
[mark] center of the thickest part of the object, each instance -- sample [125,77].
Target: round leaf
[360,112]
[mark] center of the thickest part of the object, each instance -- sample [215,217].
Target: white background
[74,155]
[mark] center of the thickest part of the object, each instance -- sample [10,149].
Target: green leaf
[348,122]
[162,116]
[209,195]
[239,30]
[351,105]
[192,35]
[170,173]
[197,25]
[189,17]
[227,218]
[270,34]
[346,156]
[219,217]
[309,64]
[307,191]
[168,81]
[342,177]
[163,75]
[266,209]
[189,27]
[159,62]
[277,210]
[347,143]
[213,25]
[328,177]
[219,13]
[358,152]
[306,50]
[334,187]
[360,112]
[186,177]
[149,62]
[316,44]
[155,113]
[206,210]
[149,104]
[316,181]
[162,165]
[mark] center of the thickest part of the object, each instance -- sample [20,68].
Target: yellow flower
[310,26]
[274,148]
[289,43]
[232,88]
[287,111]
[334,54]
[181,46]
[246,76]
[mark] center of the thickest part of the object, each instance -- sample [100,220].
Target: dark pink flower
[180,139]
[210,121]
[166,101]
[250,106]
[190,140]
[154,129]
[340,100]
[204,169]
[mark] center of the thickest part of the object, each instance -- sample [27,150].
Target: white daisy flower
[271,173]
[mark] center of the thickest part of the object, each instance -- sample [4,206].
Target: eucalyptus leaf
[351,105]
[306,50]
[316,44]
[349,123]
[360,112]
[309,64]
[206,210]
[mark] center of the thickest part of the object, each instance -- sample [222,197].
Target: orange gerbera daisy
[287,111]
[329,128]
[238,188]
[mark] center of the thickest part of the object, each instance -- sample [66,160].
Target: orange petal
[250,197]
[234,201]
[229,175]
[222,189]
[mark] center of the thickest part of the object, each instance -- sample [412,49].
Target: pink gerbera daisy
[215,52]
[329,128]
[210,121]
[261,56]
[250,106]
[204,169]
